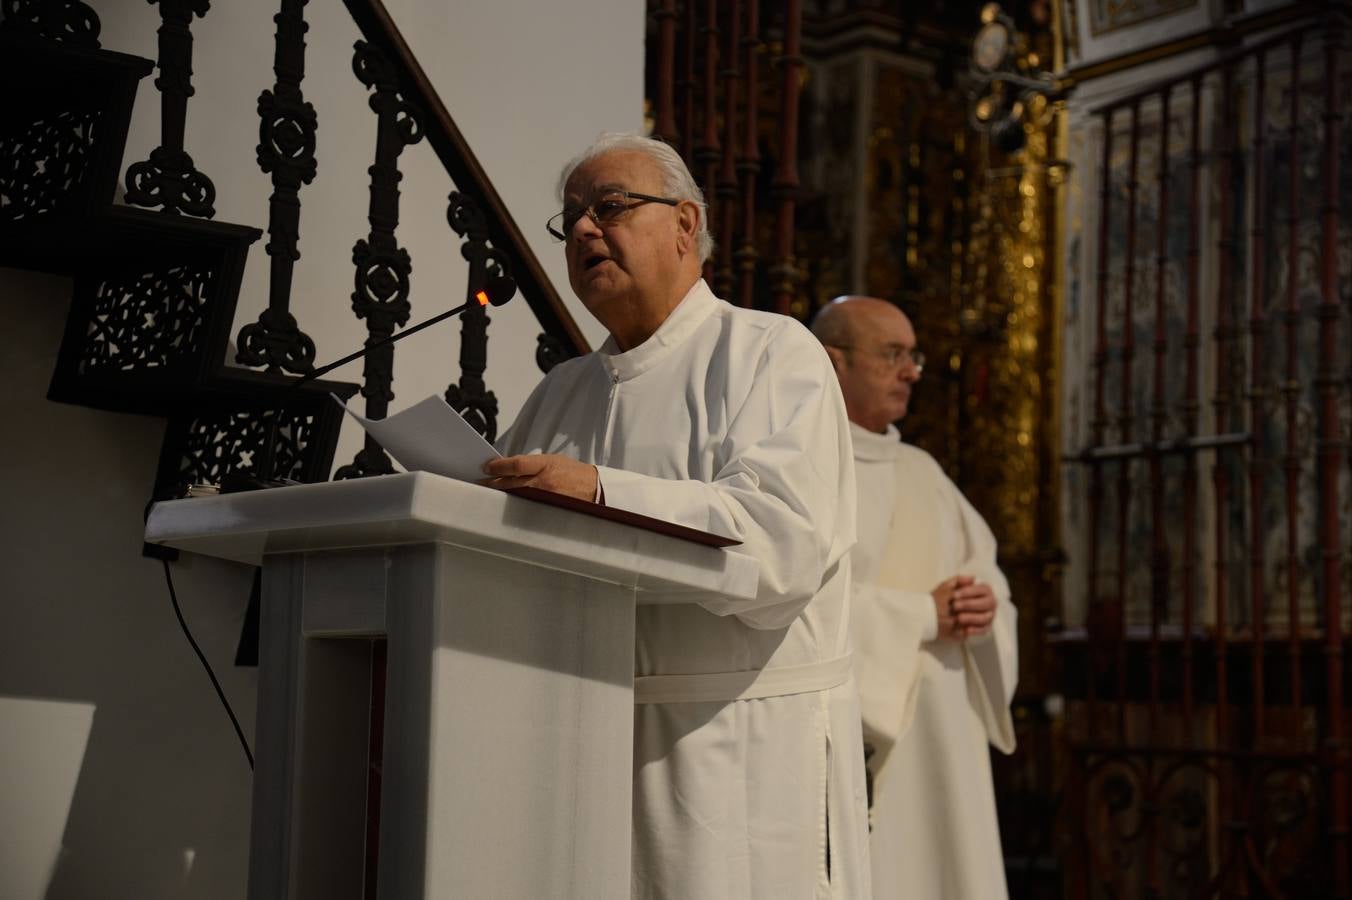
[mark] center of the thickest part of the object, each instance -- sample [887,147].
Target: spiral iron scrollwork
[68,21]
[1152,825]
[490,269]
[477,405]
[370,460]
[276,340]
[401,118]
[549,352]
[1118,793]
[170,179]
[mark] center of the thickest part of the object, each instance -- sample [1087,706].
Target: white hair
[677,181]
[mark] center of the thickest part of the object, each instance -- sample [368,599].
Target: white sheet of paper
[430,437]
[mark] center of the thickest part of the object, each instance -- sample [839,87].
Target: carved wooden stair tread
[69,244]
[149,327]
[65,130]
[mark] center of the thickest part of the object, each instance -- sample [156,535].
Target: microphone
[237,482]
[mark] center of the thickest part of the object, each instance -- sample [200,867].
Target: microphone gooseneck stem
[397,336]
[265,470]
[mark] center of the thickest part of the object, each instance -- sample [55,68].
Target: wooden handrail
[376,26]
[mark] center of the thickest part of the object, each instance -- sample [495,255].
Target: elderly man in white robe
[748,772]
[934,629]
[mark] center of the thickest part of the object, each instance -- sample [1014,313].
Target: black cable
[206,665]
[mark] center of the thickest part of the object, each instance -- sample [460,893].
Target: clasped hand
[964,606]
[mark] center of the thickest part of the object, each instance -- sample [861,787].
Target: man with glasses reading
[748,774]
[935,633]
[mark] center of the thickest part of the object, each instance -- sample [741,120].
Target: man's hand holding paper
[547,471]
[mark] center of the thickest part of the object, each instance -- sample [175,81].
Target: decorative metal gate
[1208,722]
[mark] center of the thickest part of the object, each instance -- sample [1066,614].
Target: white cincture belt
[753,684]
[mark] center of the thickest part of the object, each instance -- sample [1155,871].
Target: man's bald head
[840,322]
[870,343]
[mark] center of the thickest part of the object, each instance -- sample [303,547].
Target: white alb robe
[731,421]
[930,707]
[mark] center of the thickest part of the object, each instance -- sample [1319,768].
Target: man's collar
[872,446]
[688,315]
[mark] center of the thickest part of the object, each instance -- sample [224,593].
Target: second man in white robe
[935,630]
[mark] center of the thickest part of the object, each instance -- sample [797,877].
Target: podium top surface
[419,508]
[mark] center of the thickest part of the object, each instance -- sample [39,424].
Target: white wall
[1150,24]
[88,621]
[160,804]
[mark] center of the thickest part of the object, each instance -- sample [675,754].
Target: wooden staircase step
[64,127]
[154,302]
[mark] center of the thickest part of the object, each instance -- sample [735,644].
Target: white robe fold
[731,421]
[929,707]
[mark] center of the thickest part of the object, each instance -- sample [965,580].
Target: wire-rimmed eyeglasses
[610,206]
[893,355]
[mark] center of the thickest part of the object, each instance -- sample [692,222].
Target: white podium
[508,729]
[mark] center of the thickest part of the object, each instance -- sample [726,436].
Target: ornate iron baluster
[727,175]
[1159,563]
[665,127]
[1099,422]
[68,21]
[1225,246]
[490,274]
[286,150]
[1192,394]
[748,164]
[1229,841]
[1329,455]
[1257,396]
[168,178]
[1125,419]
[1291,387]
[686,86]
[382,266]
[1159,546]
[784,276]
[708,152]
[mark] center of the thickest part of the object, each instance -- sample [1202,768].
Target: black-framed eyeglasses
[894,355]
[609,206]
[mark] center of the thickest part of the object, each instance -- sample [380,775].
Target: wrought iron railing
[1207,763]
[705,76]
[124,287]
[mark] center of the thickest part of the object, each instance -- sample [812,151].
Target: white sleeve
[785,483]
[888,626]
[512,441]
[993,658]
